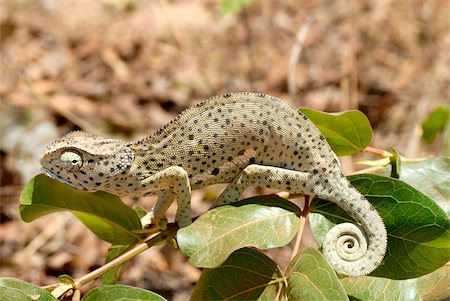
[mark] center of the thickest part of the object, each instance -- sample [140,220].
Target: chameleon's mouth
[57,177]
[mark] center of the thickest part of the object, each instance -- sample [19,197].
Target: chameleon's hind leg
[293,181]
[171,183]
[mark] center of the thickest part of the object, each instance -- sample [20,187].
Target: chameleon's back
[216,139]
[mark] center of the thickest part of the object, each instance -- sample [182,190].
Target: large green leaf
[120,292]
[418,229]
[435,123]
[104,214]
[246,275]
[380,289]
[257,222]
[435,286]
[431,177]
[347,132]
[14,289]
[310,277]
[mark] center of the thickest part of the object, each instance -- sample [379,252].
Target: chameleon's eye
[72,161]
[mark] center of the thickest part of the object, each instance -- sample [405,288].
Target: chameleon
[244,139]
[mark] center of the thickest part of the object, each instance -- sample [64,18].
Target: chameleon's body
[244,139]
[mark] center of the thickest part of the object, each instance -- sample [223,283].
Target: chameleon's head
[85,161]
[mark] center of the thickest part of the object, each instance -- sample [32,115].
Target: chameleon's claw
[150,222]
[162,223]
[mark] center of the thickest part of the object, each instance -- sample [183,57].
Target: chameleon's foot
[150,222]
[146,220]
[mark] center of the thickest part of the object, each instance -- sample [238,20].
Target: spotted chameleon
[244,139]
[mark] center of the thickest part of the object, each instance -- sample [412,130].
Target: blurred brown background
[124,68]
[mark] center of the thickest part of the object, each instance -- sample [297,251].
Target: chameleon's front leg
[174,183]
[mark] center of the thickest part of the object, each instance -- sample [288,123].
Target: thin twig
[377,151]
[301,227]
[163,236]
[136,250]
[294,56]
[249,47]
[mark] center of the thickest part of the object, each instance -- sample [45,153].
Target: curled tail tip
[350,252]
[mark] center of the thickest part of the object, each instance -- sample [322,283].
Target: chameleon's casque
[244,139]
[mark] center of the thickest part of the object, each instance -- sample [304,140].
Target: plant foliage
[225,241]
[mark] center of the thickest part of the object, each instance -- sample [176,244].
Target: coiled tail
[354,250]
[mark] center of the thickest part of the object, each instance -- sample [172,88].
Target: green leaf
[66,279]
[122,293]
[435,123]
[257,222]
[234,6]
[435,286]
[7,293]
[418,229]
[347,132]
[104,214]
[380,289]
[14,289]
[431,177]
[310,277]
[246,275]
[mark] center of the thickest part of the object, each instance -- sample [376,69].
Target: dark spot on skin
[215,171]
[191,137]
[159,165]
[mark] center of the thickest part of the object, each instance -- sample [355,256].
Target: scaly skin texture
[244,139]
